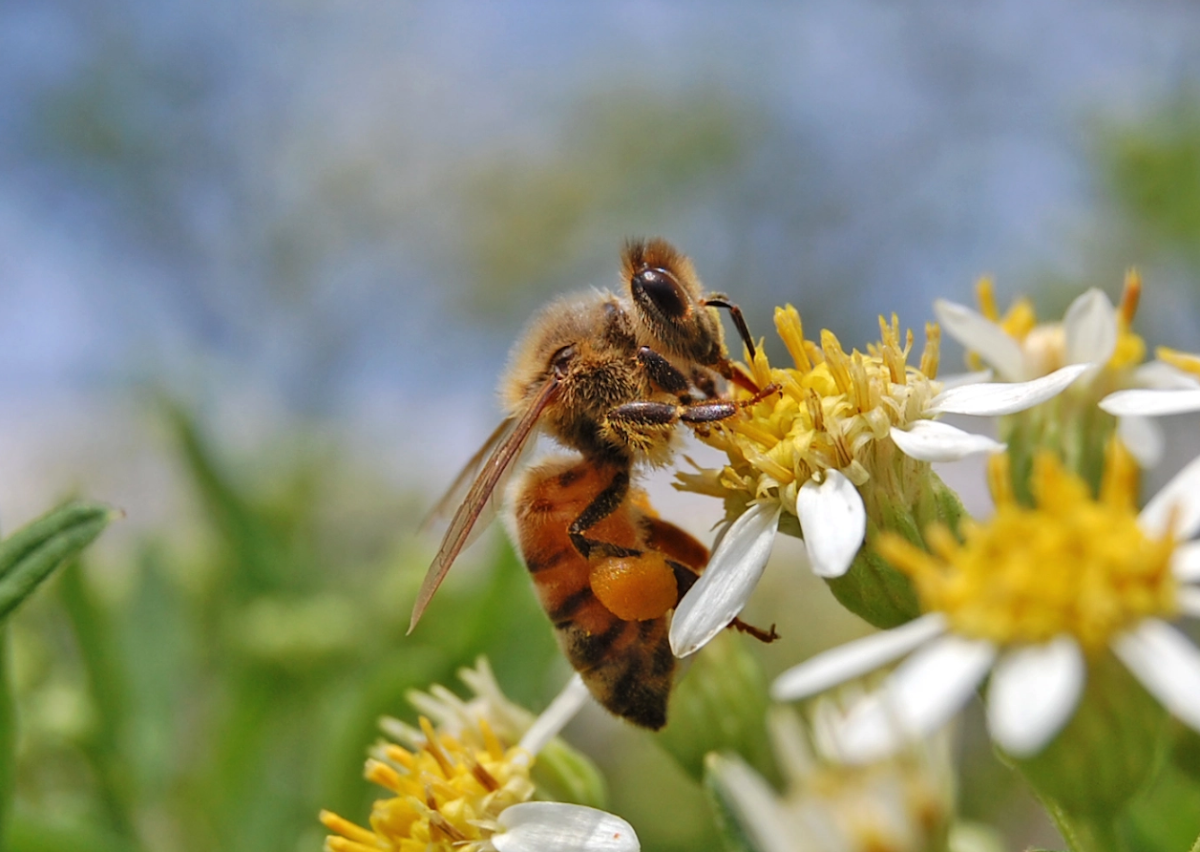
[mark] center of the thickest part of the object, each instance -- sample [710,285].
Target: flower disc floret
[1072,565]
[449,792]
[831,409]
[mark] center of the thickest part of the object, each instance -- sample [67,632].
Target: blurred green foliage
[1153,171]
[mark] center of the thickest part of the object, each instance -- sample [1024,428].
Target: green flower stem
[8,737]
[1092,833]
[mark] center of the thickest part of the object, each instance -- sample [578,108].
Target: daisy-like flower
[464,785]
[1018,348]
[1174,389]
[848,437]
[902,804]
[1037,597]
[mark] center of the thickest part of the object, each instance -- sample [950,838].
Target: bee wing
[507,449]
[457,491]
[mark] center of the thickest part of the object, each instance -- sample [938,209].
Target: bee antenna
[738,320]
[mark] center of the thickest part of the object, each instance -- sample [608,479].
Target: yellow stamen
[999,479]
[1020,319]
[985,295]
[448,794]
[1185,361]
[346,828]
[1130,296]
[384,776]
[1131,349]
[833,411]
[435,749]
[490,742]
[341,844]
[1071,565]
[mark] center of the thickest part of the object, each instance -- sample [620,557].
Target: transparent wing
[478,496]
[457,492]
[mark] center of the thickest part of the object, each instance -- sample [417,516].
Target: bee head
[667,297]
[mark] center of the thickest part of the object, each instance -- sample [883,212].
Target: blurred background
[260,264]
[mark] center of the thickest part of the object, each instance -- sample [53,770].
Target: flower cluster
[1057,607]
[466,785]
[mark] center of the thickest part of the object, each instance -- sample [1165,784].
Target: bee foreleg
[662,372]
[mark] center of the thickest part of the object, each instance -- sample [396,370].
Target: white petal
[1185,562]
[757,807]
[1167,664]
[1160,374]
[1151,403]
[920,696]
[1142,437]
[1179,502]
[1189,601]
[726,584]
[1033,693]
[561,710]
[958,379]
[834,522]
[934,441]
[979,334]
[1090,329]
[554,826]
[999,398]
[854,659]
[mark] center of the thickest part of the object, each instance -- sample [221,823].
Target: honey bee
[609,377]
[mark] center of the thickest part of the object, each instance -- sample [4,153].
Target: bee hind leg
[602,505]
[764,636]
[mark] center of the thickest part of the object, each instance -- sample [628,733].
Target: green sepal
[1109,751]
[720,705]
[31,554]
[875,591]
[872,589]
[563,774]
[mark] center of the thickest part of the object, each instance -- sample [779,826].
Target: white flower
[1168,385]
[1092,331]
[1027,598]
[836,425]
[464,786]
[895,805]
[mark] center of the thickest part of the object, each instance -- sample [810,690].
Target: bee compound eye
[662,290]
[562,359]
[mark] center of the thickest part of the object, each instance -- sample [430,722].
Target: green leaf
[8,736]
[32,553]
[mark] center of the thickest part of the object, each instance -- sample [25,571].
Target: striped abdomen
[627,664]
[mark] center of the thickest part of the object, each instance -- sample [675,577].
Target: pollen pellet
[635,588]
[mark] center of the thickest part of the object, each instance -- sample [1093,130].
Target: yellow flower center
[448,793]
[831,410]
[1073,564]
[1044,344]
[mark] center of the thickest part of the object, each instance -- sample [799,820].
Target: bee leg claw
[764,636]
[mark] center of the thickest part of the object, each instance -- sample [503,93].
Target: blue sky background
[340,213]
